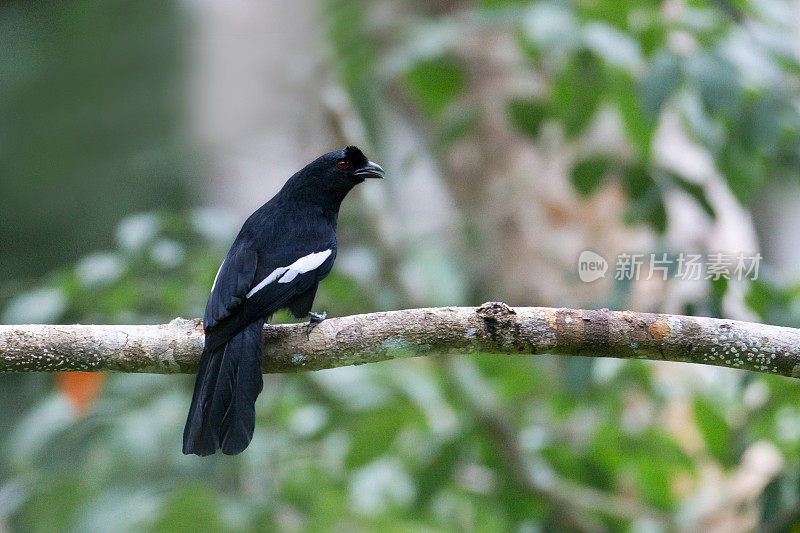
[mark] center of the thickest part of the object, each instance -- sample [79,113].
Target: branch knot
[499,319]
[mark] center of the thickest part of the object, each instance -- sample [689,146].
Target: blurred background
[136,137]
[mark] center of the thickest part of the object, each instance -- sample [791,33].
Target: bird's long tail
[229,380]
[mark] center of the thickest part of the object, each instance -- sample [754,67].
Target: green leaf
[650,210]
[700,123]
[188,507]
[435,84]
[654,34]
[696,191]
[660,81]
[616,47]
[576,375]
[438,471]
[654,482]
[639,125]
[761,125]
[527,115]
[743,170]
[774,304]
[772,500]
[718,83]
[716,433]
[717,289]
[55,505]
[760,298]
[616,13]
[577,93]
[637,182]
[587,175]
[373,432]
[646,204]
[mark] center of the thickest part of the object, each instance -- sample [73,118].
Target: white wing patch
[288,273]
[217,276]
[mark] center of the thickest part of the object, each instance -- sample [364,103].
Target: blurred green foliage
[90,129]
[436,444]
[633,59]
[408,444]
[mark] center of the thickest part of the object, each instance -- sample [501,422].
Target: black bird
[278,259]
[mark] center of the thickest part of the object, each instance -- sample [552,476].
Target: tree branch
[491,328]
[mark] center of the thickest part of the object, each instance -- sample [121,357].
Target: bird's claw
[314,321]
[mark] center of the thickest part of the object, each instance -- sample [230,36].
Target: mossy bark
[491,328]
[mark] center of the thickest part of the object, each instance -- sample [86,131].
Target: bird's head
[328,179]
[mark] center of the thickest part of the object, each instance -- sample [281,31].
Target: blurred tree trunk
[256,96]
[514,193]
[777,209]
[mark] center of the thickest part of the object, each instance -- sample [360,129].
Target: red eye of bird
[342,164]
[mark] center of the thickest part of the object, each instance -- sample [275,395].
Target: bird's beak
[371,170]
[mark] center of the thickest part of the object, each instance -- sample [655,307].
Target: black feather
[298,221]
[222,414]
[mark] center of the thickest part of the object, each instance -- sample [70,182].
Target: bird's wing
[235,277]
[280,278]
[281,283]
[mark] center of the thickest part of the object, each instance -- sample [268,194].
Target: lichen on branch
[491,328]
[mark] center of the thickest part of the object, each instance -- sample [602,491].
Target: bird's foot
[314,321]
